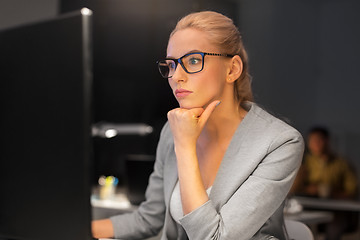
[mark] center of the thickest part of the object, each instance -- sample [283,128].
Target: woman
[222,171]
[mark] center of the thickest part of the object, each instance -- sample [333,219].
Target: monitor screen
[45,154]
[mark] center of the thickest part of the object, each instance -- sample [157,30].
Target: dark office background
[304,59]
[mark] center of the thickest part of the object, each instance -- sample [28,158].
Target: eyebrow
[192,51]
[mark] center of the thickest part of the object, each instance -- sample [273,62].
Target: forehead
[187,40]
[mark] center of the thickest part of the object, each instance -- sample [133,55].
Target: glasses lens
[167,68]
[193,62]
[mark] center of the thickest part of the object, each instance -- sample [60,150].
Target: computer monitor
[45,134]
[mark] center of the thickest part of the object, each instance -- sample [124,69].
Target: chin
[185,106]
[190,103]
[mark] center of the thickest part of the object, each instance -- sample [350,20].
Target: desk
[107,208]
[329,204]
[110,207]
[311,217]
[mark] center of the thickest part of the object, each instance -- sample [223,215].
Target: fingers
[187,124]
[208,111]
[195,113]
[181,113]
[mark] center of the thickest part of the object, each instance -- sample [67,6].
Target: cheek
[213,82]
[171,83]
[209,88]
[212,85]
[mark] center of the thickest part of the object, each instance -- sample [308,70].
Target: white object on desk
[120,202]
[292,206]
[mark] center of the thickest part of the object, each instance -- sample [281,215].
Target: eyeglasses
[191,63]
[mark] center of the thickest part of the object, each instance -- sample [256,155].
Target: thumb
[208,111]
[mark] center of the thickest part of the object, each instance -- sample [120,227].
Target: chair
[298,230]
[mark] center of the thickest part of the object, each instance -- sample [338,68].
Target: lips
[179,93]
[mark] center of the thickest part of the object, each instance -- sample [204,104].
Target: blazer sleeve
[256,199]
[148,219]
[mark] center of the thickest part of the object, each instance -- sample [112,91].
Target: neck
[223,121]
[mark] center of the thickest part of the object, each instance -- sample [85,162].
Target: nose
[179,74]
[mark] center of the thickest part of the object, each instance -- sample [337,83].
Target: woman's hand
[187,124]
[102,228]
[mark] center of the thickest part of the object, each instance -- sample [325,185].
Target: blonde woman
[224,166]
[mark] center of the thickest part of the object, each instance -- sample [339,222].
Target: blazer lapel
[235,167]
[170,175]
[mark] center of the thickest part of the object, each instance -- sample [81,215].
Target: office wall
[15,12]
[304,58]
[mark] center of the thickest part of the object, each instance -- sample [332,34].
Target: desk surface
[311,217]
[329,204]
[119,202]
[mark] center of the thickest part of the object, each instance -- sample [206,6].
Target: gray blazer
[246,200]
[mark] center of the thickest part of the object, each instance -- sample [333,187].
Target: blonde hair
[223,33]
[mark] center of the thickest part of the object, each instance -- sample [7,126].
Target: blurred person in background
[325,174]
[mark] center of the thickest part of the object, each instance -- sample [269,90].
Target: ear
[235,69]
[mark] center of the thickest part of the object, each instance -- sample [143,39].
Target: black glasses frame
[179,61]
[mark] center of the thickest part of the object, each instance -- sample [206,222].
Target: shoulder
[265,119]
[339,161]
[267,128]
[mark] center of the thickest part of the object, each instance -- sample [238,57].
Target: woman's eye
[171,65]
[194,61]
